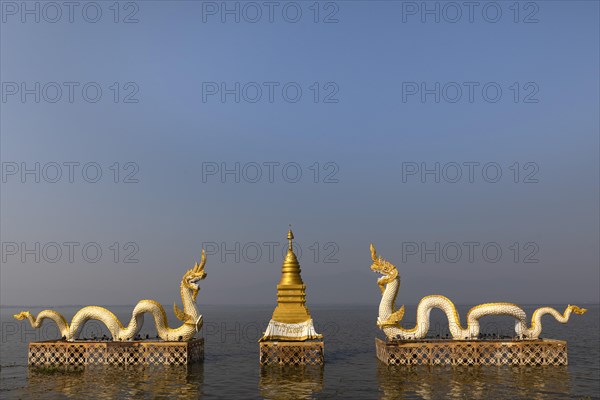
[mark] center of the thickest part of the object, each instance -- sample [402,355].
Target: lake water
[231,370]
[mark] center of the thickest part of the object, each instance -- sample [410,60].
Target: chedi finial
[290,237]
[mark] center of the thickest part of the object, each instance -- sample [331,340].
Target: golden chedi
[291,319]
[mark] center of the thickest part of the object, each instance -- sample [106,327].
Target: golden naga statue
[390,317]
[192,320]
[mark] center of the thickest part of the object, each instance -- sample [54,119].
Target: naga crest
[190,281]
[385,268]
[193,276]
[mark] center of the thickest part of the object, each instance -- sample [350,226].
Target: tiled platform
[291,353]
[84,353]
[473,352]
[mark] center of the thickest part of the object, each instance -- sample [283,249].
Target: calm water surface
[231,370]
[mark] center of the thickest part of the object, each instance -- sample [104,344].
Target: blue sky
[364,129]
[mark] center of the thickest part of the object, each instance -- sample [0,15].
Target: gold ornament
[291,319]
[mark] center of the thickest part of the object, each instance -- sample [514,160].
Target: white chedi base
[282,331]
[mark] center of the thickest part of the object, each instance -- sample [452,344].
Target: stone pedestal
[472,352]
[292,353]
[54,353]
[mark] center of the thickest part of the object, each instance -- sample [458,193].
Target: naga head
[192,277]
[577,310]
[385,268]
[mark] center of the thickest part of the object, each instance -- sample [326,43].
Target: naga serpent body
[192,320]
[389,317]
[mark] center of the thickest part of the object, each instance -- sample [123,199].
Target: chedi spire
[291,319]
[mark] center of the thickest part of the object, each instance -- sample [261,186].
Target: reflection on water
[462,382]
[293,382]
[179,382]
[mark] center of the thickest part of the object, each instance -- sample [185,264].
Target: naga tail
[562,318]
[536,319]
[576,310]
[36,322]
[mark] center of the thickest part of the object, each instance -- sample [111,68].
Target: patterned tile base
[84,353]
[291,353]
[473,352]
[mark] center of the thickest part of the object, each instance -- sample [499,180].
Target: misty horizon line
[272,305]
